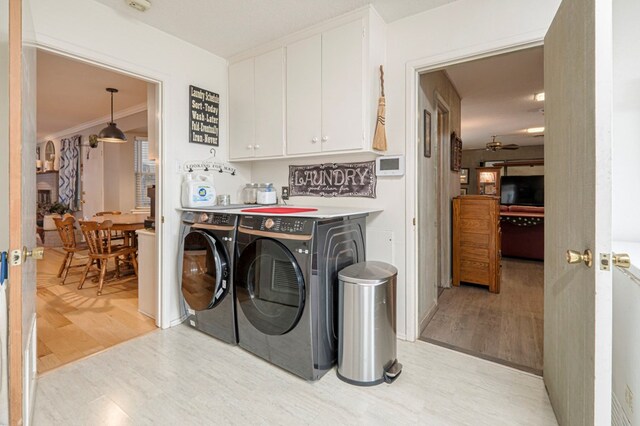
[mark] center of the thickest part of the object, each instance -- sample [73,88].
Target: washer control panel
[285,225]
[208,217]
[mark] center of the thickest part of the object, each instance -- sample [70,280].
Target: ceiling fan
[495,145]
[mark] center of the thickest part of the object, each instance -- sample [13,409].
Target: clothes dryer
[286,280]
[205,268]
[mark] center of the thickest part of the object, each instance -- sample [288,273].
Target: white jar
[267,194]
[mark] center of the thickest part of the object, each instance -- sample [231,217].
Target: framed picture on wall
[463,191]
[426,136]
[464,176]
[456,152]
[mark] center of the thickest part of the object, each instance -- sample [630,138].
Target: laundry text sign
[204,115]
[334,180]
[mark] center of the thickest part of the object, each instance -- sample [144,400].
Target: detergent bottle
[198,191]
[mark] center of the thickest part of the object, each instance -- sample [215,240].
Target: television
[522,190]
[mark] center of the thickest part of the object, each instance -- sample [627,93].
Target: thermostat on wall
[390,165]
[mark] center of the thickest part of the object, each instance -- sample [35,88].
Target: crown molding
[88,124]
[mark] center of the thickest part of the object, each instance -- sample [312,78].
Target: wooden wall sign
[334,180]
[456,152]
[204,115]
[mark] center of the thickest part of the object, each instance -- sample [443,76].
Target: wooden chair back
[66,229]
[98,236]
[115,212]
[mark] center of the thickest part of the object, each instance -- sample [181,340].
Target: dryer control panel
[278,224]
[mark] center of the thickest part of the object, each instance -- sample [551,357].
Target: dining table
[127,223]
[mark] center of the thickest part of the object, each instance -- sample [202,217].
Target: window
[145,170]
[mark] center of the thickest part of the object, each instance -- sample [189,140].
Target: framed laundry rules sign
[204,116]
[334,180]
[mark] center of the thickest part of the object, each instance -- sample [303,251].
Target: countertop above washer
[321,213]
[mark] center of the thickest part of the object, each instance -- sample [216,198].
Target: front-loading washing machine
[286,280]
[206,273]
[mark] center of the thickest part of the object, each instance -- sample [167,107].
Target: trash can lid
[371,273]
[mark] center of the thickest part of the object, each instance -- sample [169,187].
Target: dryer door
[270,286]
[204,271]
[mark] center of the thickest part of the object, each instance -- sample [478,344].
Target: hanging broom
[380,137]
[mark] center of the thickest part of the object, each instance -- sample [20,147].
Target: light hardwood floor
[505,327]
[72,323]
[180,376]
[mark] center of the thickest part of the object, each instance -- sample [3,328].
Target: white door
[269,104]
[20,221]
[343,88]
[577,308]
[241,109]
[304,96]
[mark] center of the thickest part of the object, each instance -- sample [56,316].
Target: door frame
[413,69]
[443,112]
[14,336]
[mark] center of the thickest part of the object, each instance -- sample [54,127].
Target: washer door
[270,287]
[204,271]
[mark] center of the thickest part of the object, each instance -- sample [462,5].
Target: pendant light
[111,133]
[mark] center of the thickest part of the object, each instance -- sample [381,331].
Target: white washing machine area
[281,275]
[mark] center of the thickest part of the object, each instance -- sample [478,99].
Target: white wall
[625,120]
[70,26]
[625,205]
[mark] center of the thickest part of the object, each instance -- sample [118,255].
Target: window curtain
[69,182]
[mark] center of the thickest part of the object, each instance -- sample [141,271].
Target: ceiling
[497,97]
[72,93]
[229,27]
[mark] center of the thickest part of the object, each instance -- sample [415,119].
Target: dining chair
[115,235]
[98,237]
[66,230]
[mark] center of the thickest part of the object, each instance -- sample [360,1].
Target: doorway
[80,308]
[493,96]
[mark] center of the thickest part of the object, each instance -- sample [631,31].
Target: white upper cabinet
[315,94]
[269,110]
[256,106]
[241,109]
[343,88]
[304,96]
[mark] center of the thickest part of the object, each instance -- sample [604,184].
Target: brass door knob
[574,257]
[36,253]
[621,260]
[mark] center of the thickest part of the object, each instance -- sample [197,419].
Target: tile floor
[183,377]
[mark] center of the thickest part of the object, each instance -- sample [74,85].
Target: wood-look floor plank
[73,324]
[506,326]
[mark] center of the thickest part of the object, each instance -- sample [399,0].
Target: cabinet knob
[314,140]
[325,138]
[249,146]
[257,147]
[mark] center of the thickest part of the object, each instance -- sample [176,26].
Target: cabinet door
[269,104]
[343,88]
[241,109]
[304,96]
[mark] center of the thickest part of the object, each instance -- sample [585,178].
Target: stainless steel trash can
[367,324]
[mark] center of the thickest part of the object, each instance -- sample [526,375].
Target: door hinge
[605,262]
[162,219]
[414,221]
